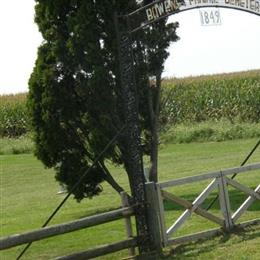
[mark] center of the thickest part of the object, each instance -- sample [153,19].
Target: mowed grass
[29,195]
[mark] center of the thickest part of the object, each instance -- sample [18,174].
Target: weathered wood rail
[160,235]
[125,212]
[156,193]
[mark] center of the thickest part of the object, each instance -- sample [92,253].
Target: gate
[125,30]
[157,193]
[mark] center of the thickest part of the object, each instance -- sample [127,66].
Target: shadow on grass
[193,250]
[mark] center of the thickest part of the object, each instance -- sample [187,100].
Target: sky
[232,46]
[18,44]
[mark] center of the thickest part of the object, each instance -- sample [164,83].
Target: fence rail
[205,176]
[19,239]
[208,233]
[160,234]
[102,250]
[55,230]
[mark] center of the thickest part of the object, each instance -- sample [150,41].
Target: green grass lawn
[29,195]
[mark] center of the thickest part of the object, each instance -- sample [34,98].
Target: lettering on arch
[163,8]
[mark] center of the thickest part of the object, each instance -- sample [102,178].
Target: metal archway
[160,9]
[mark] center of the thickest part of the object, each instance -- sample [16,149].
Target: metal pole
[133,158]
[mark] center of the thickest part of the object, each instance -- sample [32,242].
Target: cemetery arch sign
[160,9]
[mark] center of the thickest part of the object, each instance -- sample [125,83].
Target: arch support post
[132,141]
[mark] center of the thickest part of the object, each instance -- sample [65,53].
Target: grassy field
[209,131]
[29,195]
[21,145]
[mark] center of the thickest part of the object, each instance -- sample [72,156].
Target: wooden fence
[160,236]
[125,212]
[156,193]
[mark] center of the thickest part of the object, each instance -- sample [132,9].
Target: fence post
[153,217]
[128,224]
[224,202]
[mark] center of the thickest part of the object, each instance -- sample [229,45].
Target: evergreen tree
[75,94]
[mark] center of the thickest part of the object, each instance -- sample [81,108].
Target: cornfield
[232,97]
[212,98]
[14,118]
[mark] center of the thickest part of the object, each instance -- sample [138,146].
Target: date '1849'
[210,16]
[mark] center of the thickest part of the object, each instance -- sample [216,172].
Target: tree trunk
[109,178]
